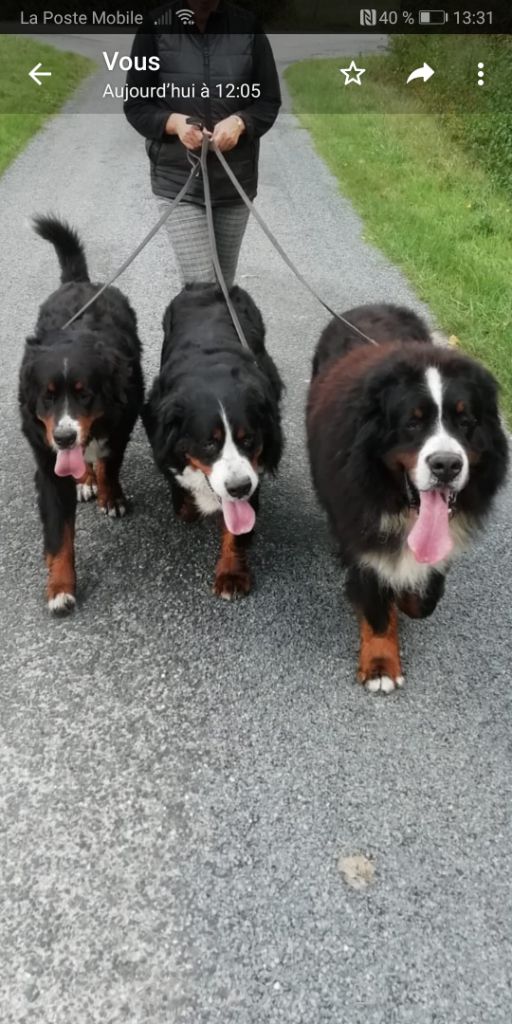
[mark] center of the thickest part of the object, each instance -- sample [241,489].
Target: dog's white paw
[86,492]
[232,585]
[384,684]
[117,511]
[61,604]
[114,509]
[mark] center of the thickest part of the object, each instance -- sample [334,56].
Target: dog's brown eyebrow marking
[51,386]
[197,464]
[78,386]
[418,413]
[460,406]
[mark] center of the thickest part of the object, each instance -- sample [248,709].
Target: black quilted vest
[222,62]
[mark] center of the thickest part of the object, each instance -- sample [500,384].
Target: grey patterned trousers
[188,233]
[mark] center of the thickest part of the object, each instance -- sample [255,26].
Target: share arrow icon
[424,72]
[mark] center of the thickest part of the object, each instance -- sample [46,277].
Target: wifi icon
[186,16]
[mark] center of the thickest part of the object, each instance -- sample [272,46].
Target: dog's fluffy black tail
[67,245]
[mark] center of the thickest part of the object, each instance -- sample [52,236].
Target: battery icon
[432,18]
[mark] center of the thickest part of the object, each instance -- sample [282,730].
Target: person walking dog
[218,69]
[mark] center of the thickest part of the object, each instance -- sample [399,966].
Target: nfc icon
[367,16]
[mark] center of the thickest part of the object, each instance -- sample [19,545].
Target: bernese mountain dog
[213,419]
[407,453]
[80,392]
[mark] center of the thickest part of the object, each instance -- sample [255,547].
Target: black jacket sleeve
[260,115]
[147,116]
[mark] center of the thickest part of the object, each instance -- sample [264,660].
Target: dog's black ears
[163,421]
[116,373]
[267,407]
[272,440]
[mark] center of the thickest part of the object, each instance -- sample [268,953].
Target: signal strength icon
[164,19]
[185,15]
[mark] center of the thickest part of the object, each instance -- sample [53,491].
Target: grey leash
[272,238]
[156,227]
[200,164]
[213,243]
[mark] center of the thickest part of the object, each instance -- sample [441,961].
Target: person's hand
[188,134]
[227,132]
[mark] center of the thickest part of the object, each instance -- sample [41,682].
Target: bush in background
[457,97]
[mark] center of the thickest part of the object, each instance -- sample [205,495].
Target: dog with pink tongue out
[70,462]
[80,392]
[407,452]
[213,420]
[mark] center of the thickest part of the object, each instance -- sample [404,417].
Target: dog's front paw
[380,670]
[382,683]
[113,505]
[86,492]
[61,604]
[380,674]
[86,488]
[231,585]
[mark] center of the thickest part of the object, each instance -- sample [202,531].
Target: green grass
[425,201]
[480,120]
[24,106]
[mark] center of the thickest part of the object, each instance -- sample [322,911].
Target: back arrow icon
[36,74]
[425,73]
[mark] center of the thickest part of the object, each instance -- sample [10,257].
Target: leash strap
[213,243]
[272,238]
[200,164]
[193,173]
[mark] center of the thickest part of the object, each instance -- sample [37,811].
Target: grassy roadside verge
[425,202]
[24,106]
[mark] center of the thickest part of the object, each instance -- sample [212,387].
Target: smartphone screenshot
[256,512]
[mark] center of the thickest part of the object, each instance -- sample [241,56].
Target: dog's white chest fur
[194,481]
[96,449]
[399,569]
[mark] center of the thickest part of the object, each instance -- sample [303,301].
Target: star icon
[352,73]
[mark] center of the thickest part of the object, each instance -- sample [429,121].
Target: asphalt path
[180,776]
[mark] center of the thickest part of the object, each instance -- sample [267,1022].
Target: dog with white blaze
[407,452]
[213,419]
[80,391]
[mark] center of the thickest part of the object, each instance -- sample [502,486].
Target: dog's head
[232,439]
[431,417]
[68,383]
[230,436]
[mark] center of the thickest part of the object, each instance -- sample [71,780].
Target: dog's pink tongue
[239,516]
[70,462]
[429,539]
